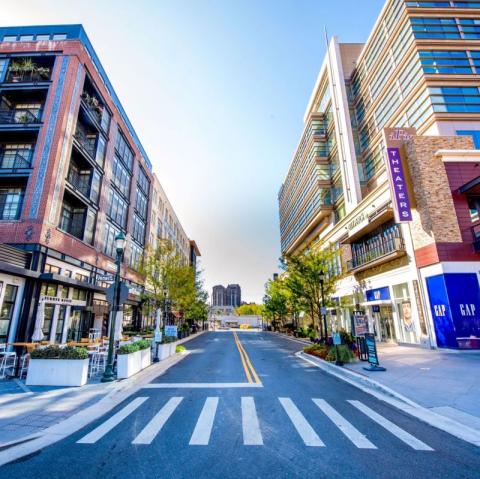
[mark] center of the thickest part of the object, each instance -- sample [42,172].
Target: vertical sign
[394,139]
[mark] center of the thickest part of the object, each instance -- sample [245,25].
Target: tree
[251,309]
[275,302]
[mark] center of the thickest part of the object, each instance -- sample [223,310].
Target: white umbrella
[40,319]
[118,326]
[158,319]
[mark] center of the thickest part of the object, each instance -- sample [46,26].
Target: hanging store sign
[64,301]
[394,139]
[378,294]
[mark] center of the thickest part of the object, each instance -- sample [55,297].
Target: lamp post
[321,278]
[108,374]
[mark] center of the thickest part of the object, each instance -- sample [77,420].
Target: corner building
[73,174]
[416,80]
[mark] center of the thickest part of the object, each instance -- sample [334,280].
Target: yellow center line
[247,372]
[247,359]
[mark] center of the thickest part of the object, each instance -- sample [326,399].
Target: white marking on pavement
[348,429]
[404,436]
[251,429]
[306,432]
[93,436]
[203,428]
[201,385]
[150,431]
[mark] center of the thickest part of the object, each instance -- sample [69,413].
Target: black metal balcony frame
[20,116]
[85,144]
[18,161]
[26,77]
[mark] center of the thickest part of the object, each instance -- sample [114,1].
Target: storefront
[11,297]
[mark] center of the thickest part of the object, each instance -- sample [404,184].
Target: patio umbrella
[118,326]
[37,332]
[158,319]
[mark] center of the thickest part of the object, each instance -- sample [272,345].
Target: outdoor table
[21,347]
[83,345]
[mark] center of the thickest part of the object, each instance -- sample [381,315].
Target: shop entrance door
[387,329]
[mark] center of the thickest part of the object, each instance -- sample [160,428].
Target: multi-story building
[73,174]
[409,275]
[219,295]
[234,295]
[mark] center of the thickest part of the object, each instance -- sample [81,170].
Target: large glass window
[468,28]
[135,256]
[142,181]
[443,4]
[455,99]
[90,226]
[123,150]
[475,134]
[6,313]
[117,208]
[446,62]
[100,153]
[138,232]
[11,200]
[16,155]
[47,322]
[141,204]
[3,68]
[109,239]
[120,177]
[48,289]
[60,324]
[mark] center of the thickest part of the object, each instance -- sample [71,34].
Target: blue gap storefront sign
[378,294]
[455,306]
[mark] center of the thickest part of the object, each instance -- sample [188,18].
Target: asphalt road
[238,428]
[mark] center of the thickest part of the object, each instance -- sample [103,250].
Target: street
[242,405]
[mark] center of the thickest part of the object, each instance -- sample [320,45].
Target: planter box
[57,372]
[146,357]
[128,364]
[173,346]
[163,351]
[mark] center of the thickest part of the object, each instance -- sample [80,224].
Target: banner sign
[171,330]
[371,349]
[398,183]
[378,294]
[361,324]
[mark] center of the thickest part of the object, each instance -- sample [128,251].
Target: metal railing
[86,143]
[20,116]
[79,182]
[26,77]
[14,160]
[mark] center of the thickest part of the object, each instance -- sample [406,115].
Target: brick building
[73,174]
[408,259]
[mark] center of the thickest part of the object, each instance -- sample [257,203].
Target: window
[443,4]
[43,37]
[67,273]
[95,186]
[138,230]
[473,133]
[50,268]
[105,121]
[60,36]
[143,182]
[100,153]
[474,208]
[10,38]
[49,289]
[117,208]
[120,177]
[3,68]
[455,99]
[468,28]
[81,277]
[72,220]
[124,151]
[16,155]
[65,291]
[90,226]
[109,239]
[445,62]
[60,323]
[47,322]
[79,294]
[136,254]
[26,38]
[141,204]
[11,200]
[6,313]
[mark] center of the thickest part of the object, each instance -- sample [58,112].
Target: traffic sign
[337,339]
[123,296]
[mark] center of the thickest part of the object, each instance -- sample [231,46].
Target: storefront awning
[472,187]
[372,222]
[65,280]
[378,302]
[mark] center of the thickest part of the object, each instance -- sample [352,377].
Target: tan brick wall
[434,216]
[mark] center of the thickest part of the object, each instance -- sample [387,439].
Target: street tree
[251,309]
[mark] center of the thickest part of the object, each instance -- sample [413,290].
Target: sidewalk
[447,382]
[25,412]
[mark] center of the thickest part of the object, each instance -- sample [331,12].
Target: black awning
[65,280]
[472,186]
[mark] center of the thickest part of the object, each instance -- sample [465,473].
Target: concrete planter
[173,346]
[129,364]
[164,351]
[57,372]
[146,357]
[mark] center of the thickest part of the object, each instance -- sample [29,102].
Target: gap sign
[400,198]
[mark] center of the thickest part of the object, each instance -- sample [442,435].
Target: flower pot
[173,346]
[146,357]
[57,372]
[164,351]
[129,364]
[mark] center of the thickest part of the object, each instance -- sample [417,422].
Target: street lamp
[120,241]
[321,278]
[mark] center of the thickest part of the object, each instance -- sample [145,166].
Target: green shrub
[344,353]
[128,348]
[168,339]
[55,352]
[318,350]
[143,344]
[180,349]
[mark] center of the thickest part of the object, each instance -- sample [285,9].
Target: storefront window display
[403,305]
[6,313]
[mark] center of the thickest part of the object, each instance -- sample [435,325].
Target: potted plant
[55,366]
[132,358]
[145,352]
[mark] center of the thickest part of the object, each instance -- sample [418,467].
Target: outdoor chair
[24,365]
[8,361]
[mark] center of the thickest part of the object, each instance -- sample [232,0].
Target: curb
[396,400]
[123,389]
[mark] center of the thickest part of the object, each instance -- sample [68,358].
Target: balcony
[79,182]
[86,142]
[29,70]
[15,160]
[377,249]
[21,117]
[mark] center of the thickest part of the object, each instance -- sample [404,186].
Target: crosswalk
[251,426]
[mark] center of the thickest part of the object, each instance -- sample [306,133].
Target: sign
[361,324]
[158,336]
[371,349]
[361,219]
[123,296]
[65,301]
[375,308]
[323,310]
[394,139]
[378,294]
[171,330]
[106,277]
[337,339]
[455,306]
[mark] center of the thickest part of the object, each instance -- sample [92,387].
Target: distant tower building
[219,296]
[234,295]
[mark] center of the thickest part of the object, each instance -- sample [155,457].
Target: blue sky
[216,90]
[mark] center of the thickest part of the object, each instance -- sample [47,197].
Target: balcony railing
[374,249]
[79,182]
[15,159]
[85,142]
[27,77]
[20,116]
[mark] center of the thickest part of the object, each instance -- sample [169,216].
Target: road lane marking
[245,368]
[201,385]
[203,428]
[93,436]
[247,364]
[252,435]
[150,431]
[403,435]
[350,431]
[306,432]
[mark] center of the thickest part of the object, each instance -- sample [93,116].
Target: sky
[216,90]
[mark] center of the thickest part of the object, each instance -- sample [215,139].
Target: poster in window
[407,316]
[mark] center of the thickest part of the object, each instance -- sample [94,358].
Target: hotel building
[413,85]
[73,174]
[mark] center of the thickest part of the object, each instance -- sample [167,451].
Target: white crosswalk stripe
[150,431]
[109,424]
[306,432]
[252,435]
[404,436]
[350,431]
[203,428]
